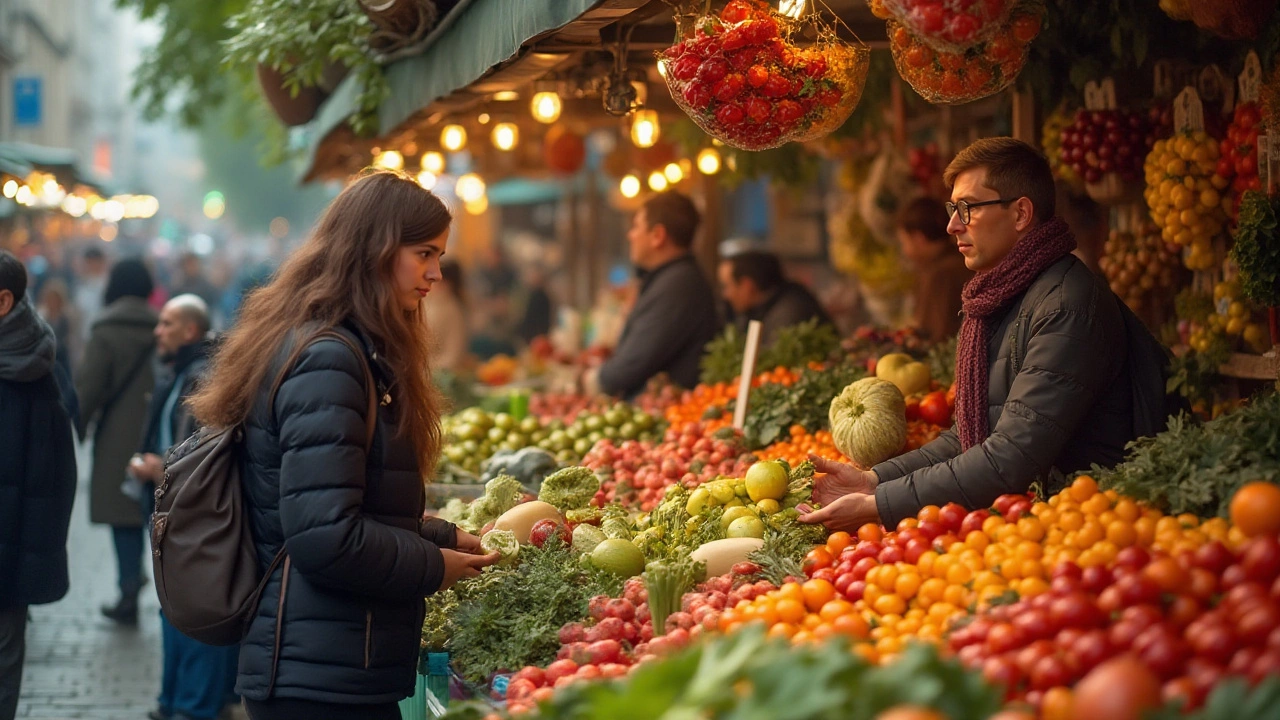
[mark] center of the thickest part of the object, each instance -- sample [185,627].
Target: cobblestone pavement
[78,663]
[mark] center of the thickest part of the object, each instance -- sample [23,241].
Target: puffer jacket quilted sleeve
[320,409]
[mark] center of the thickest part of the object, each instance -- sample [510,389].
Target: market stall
[654,561]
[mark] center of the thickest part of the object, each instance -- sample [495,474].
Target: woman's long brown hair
[345,269]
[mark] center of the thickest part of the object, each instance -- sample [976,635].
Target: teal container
[433,678]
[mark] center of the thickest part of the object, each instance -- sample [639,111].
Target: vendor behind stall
[755,289]
[940,271]
[674,316]
[1050,373]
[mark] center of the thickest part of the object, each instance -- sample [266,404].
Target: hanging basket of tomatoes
[1238,154]
[742,78]
[954,77]
[950,26]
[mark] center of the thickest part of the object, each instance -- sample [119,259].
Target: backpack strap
[371,414]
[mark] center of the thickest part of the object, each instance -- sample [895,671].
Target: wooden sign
[1250,80]
[1188,111]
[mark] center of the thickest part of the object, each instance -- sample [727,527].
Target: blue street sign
[26,101]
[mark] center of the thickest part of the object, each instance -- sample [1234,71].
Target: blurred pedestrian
[196,679]
[56,308]
[113,383]
[191,280]
[90,284]
[38,481]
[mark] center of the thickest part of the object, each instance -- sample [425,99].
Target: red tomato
[973,521]
[952,517]
[1003,672]
[1050,672]
[934,409]
[1260,559]
[560,669]
[1076,610]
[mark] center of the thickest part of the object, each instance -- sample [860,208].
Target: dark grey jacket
[1059,400]
[673,320]
[790,305]
[341,622]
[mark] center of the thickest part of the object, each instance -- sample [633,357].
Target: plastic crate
[433,680]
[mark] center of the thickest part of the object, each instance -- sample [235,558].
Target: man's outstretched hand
[840,479]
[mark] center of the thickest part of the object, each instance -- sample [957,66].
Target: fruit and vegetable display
[1103,142]
[1142,268]
[1238,154]
[1184,194]
[740,78]
[1161,573]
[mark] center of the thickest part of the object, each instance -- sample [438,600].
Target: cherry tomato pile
[619,634]
[1099,142]
[638,474]
[1238,153]
[948,25]
[742,81]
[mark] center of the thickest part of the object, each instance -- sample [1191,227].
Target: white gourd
[869,421]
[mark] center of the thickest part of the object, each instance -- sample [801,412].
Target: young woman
[337,631]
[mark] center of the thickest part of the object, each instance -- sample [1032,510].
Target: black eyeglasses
[965,208]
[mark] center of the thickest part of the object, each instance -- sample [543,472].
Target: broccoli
[570,488]
[500,495]
[502,542]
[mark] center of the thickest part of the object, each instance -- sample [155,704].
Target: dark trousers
[128,542]
[13,646]
[196,679]
[291,709]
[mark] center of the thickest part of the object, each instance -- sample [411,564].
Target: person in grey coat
[113,383]
[1043,388]
[675,315]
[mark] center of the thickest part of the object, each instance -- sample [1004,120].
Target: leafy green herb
[1257,249]
[511,617]
[744,676]
[1197,468]
[772,408]
[794,347]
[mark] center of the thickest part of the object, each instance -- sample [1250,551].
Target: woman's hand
[467,543]
[840,479]
[847,513]
[460,566]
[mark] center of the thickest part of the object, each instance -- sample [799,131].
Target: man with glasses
[1043,384]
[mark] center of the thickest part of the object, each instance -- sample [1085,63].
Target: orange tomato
[1255,509]
[817,593]
[870,532]
[838,541]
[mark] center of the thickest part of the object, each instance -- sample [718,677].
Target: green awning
[471,40]
[20,158]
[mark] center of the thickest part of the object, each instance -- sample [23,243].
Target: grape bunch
[1099,142]
[1184,194]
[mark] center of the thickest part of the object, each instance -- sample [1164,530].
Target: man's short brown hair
[675,212]
[1014,170]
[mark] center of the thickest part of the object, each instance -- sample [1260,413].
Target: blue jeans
[128,542]
[196,678]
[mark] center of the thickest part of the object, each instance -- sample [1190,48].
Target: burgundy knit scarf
[984,297]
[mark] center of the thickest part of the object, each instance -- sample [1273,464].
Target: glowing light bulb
[645,129]
[389,159]
[453,138]
[433,162]
[629,186]
[657,181]
[505,136]
[709,161]
[469,188]
[428,180]
[546,107]
[673,173]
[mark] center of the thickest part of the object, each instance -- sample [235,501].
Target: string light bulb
[469,188]
[428,180]
[546,107]
[433,162]
[673,173]
[645,129]
[453,138]
[629,186]
[709,161]
[505,136]
[390,160]
[657,181]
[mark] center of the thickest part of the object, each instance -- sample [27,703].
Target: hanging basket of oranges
[949,26]
[743,78]
[951,77]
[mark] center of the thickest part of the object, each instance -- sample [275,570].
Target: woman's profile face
[417,269]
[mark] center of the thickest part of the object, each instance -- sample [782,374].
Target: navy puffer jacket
[341,618]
